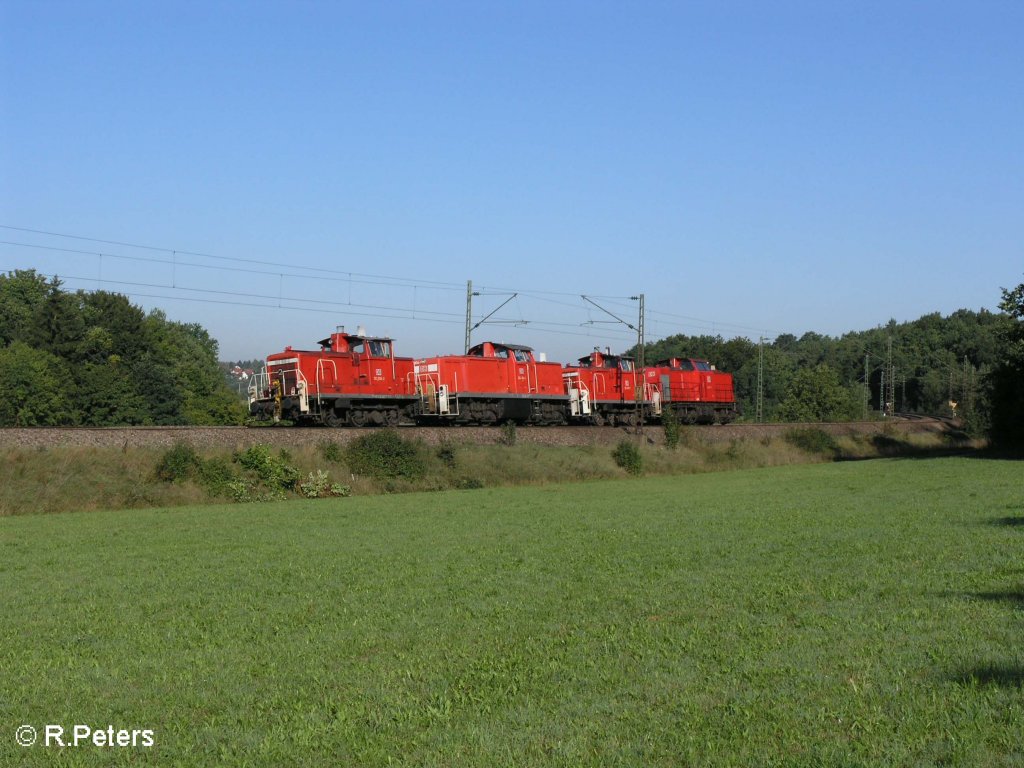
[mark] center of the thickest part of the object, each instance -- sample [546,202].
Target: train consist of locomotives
[357,380]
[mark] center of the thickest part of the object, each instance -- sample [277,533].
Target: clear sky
[751,168]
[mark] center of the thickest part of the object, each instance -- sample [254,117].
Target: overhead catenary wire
[280,270]
[277,298]
[367,310]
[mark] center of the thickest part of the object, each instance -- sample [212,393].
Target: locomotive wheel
[597,419]
[357,417]
[332,418]
[391,417]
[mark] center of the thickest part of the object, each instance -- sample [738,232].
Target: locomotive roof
[502,345]
[606,356]
[327,342]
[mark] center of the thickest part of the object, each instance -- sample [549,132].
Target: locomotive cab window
[521,355]
[380,348]
[626,365]
[703,365]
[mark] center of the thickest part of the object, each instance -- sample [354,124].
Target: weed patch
[508,434]
[812,440]
[318,485]
[385,454]
[273,472]
[331,451]
[177,463]
[628,456]
[670,425]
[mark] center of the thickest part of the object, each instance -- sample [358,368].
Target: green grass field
[859,613]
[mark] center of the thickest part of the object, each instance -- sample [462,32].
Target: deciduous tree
[1007,379]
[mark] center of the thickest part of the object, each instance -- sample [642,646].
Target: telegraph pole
[641,362]
[759,407]
[966,405]
[470,326]
[867,387]
[469,310]
[890,382]
[640,333]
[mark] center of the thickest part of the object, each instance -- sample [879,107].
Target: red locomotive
[489,384]
[607,389]
[353,379]
[356,380]
[694,390]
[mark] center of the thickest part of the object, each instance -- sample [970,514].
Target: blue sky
[752,168]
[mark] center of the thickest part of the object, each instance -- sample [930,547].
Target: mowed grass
[863,613]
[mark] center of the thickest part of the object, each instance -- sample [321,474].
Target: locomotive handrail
[255,388]
[652,394]
[578,392]
[320,367]
[426,388]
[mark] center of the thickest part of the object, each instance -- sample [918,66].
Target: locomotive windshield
[521,356]
[372,347]
[703,365]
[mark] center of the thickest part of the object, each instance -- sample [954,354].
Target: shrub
[628,456]
[177,463]
[508,433]
[239,490]
[275,473]
[469,483]
[385,454]
[331,451]
[670,423]
[318,485]
[446,453]
[812,440]
[215,475]
[886,443]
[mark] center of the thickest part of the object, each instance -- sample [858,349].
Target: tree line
[95,359]
[969,364]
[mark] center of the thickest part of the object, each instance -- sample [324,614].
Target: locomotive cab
[598,359]
[684,364]
[350,344]
[516,352]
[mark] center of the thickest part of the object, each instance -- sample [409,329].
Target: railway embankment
[64,470]
[293,437]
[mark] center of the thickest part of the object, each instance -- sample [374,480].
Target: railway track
[136,437]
